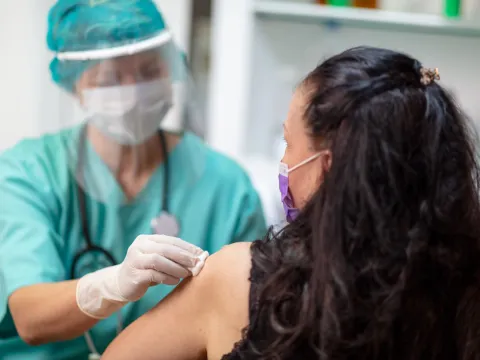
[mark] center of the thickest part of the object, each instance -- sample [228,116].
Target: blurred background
[246,57]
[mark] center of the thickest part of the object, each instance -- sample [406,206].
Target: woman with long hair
[380,257]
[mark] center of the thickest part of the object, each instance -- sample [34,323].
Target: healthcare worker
[73,203]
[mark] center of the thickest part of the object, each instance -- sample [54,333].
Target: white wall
[24,90]
[178,14]
[232,30]
[31,104]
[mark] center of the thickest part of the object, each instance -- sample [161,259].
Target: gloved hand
[150,260]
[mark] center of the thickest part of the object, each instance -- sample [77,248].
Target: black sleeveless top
[259,328]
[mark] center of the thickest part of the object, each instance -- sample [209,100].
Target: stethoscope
[165,223]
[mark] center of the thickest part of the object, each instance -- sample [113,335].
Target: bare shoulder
[223,281]
[231,261]
[226,274]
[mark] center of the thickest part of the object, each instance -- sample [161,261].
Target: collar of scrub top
[166,175]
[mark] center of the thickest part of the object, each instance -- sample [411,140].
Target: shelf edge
[365,18]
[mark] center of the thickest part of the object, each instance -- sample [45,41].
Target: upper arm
[28,253]
[202,315]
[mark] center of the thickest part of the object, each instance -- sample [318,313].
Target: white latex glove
[150,260]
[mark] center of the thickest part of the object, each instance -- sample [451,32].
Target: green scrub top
[40,224]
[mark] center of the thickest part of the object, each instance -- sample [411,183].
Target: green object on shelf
[452,8]
[338,2]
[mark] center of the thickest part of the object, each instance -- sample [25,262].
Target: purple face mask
[291,212]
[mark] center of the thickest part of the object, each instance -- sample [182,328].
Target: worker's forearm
[48,312]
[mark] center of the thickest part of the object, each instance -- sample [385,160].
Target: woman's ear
[324,164]
[327,160]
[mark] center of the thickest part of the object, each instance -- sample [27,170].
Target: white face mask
[129,114]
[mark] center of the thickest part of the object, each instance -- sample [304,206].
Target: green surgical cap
[79,25]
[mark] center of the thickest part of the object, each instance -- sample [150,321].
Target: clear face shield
[131,104]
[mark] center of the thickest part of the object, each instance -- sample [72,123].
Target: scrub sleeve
[29,247]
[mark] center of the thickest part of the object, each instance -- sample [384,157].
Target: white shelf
[365,18]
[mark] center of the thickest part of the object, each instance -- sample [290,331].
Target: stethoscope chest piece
[165,224]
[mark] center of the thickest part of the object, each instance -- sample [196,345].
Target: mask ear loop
[311,158]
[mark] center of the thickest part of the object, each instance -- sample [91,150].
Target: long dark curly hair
[382,263]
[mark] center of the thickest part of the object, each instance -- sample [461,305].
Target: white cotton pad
[201,261]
